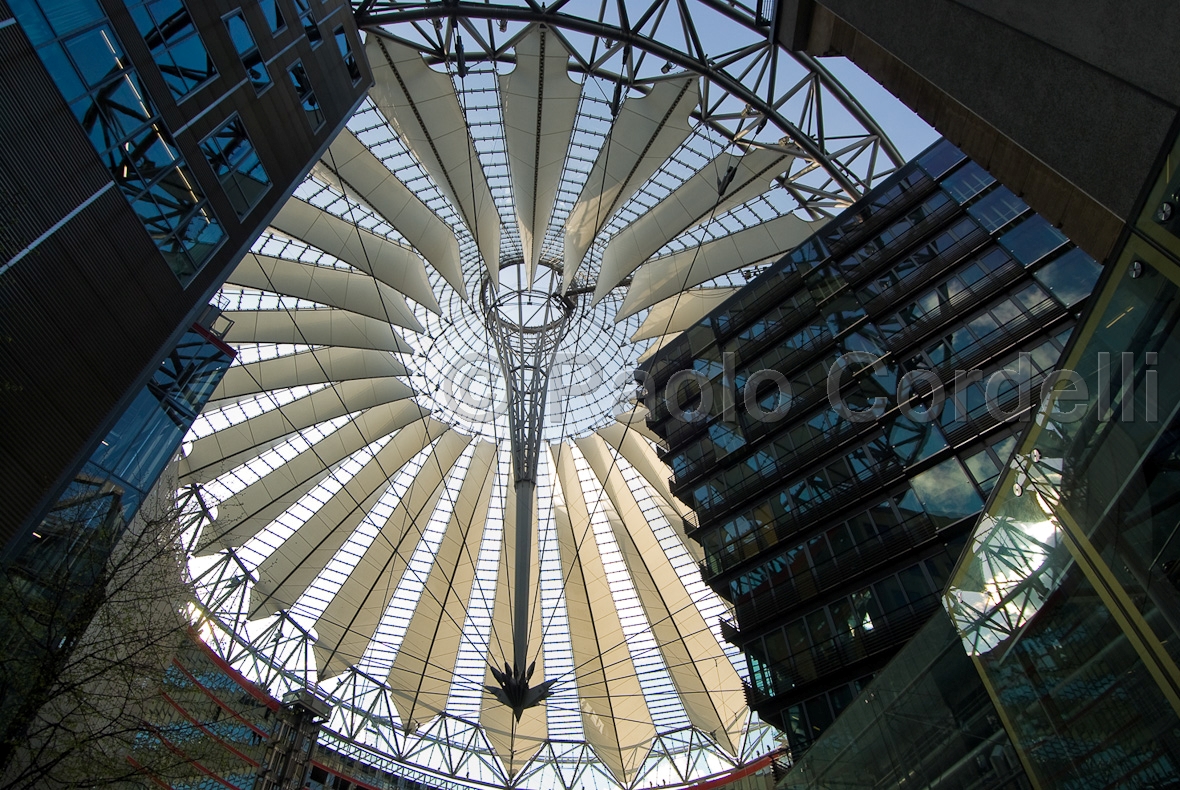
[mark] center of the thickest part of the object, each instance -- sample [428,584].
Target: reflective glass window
[1070,277]
[62,71]
[87,61]
[967,182]
[997,208]
[1032,239]
[96,55]
[303,89]
[946,492]
[247,50]
[307,19]
[236,163]
[176,47]
[273,14]
[345,48]
[940,158]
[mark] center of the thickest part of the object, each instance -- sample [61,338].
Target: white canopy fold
[353,169]
[709,688]
[348,623]
[540,104]
[420,677]
[645,133]
[668,275]
[287,572]
[614,713]
[351,291]
[422,105]
[396,266]
[693,202]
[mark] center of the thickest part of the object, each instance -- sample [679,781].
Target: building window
[997,208]
[298,74]
[307,19]
[243,40]
[234,160]
[345,48]
[87,62]
[175,45]
[273,14]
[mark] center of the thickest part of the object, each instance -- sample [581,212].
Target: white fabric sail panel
[287,572]
[707,683]
[643,458]
[646,132]
[514,741]
[692,203]
[253,508]
[322,327]
[391,263]
[668,275]
[347,626]
[351,167]
[317,366]
[232,446]
[615,718]
[347,290]
[420,678]
[422,105]
[540,106]
[677,313]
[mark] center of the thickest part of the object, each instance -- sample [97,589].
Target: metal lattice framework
[699,37]
[527,325]
[531,200]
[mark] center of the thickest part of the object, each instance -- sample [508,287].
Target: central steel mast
[527,327]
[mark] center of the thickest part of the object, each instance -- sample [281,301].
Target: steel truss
[448,752]
[747,87]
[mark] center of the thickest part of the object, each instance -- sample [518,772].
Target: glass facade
[210,727]
[176,47]
[345,48]
[302,84]
[307,20]
[54,582]
[273,11]
[247,48]
[236,163]
[87,62]
[1067,598]
[926,721]
[839,423]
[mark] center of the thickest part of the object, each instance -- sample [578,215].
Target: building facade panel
[56,576]
[1066,600]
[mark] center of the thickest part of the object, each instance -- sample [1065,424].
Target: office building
[837,425]
[135,172]
[1030,92]
[209,726]
[1062,600]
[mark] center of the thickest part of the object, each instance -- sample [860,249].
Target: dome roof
[354,471]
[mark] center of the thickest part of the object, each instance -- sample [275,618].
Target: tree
[92,658]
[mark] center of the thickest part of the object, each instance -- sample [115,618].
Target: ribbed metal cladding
[31,206]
